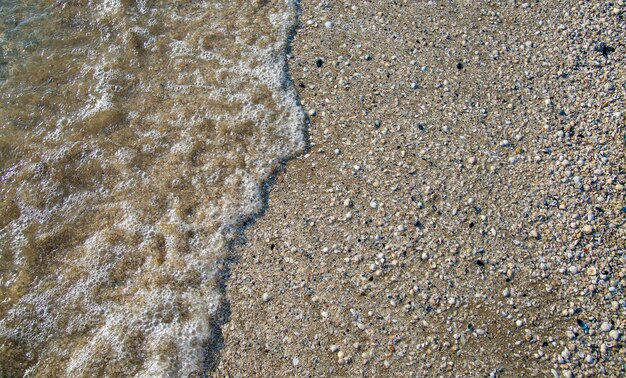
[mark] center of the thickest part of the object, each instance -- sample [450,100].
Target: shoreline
[458,211]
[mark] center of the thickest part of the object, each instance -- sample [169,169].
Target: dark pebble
[583,325]
[604,48]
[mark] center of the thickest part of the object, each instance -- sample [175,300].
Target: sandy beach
[460,209]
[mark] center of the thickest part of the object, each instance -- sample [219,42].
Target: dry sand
[460,211]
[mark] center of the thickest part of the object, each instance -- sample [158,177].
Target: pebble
[606,327]
[329,24]
[615,335]
[506,293]
[587,229]
[266,297]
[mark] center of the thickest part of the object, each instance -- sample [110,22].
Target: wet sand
[460,211]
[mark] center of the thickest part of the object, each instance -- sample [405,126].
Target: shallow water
[135,137]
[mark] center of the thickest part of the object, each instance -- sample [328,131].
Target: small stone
[615,335]
[472,160]
[587,229]
[295,362]
[377,123]
[505,143]
[266,297]
[312,113]
[340,355]
[506,293]
[603,48]
[319,62]
[374,204]
[414,86]
[334,348]
[573,269]
[591,271]
[606,327]
[368,57]
[519,323]
[329,24]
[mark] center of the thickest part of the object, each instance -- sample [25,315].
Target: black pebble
[480,263]
[319,62]
[377,123]
[604,48]
[459,65]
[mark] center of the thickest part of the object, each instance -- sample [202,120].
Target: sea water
[135,138]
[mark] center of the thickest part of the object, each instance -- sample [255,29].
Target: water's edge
[222,317]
